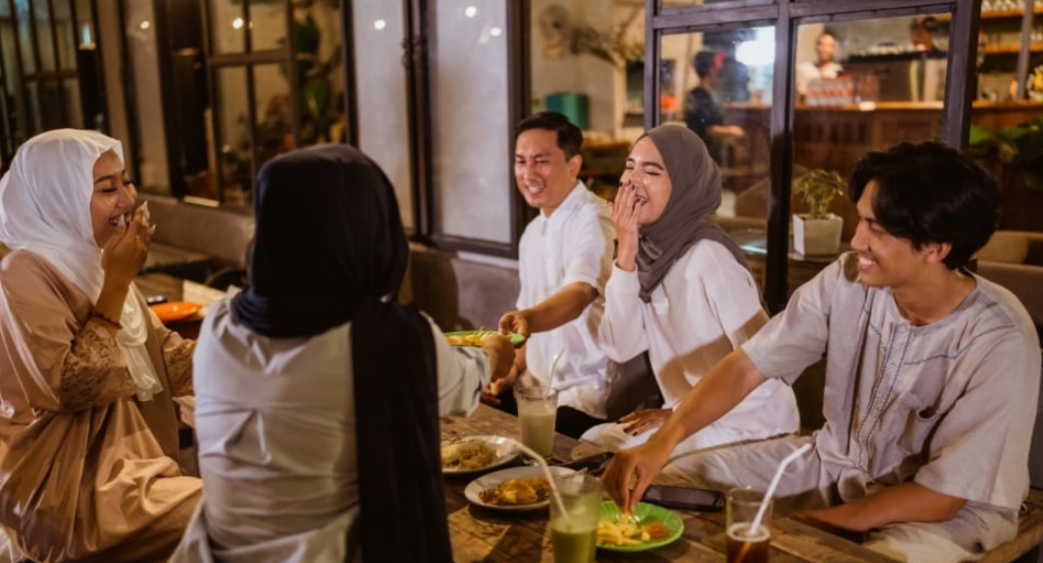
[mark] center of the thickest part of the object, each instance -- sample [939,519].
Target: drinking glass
[745,545]
[574,533]
[537,410]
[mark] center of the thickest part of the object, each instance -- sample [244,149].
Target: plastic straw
[767,497]
[550,479]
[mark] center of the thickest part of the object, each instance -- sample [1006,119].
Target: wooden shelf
[995,14]
[1011,49]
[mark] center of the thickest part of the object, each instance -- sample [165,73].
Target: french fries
[621,532]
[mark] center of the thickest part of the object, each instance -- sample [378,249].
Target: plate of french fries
[474,337]
[649,527]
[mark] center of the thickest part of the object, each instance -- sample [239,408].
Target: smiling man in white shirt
[564,260]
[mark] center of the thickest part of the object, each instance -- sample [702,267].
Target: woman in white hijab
[88,430]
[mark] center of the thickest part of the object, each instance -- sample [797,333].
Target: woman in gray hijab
[681,290]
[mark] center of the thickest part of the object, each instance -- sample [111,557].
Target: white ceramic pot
[817,236]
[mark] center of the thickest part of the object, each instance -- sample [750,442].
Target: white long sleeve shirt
[706,306]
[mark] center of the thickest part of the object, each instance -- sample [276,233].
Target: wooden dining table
[483,534]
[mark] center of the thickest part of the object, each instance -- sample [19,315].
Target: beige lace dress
[87,472]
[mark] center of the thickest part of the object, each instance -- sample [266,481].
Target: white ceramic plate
[506,450]
[492,480]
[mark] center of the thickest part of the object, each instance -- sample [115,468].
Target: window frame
[788,15]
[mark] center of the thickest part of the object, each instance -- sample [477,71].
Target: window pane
[35,122]
[227,27]
[233,137]
[383,128]
[723,83]
[14,96]
[44,39]
[862,85]
[25,41]
[472,165]
[66,34]
[153,174]
[268,25]
[274,119]
[73,113]
[320,75]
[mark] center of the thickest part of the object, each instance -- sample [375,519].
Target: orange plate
[175,311]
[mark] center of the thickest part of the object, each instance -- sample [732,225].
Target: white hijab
[45,208]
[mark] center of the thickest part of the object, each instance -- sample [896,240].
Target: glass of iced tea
[537,411]
[746,545]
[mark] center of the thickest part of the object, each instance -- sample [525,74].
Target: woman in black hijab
[318,395]
[689,285]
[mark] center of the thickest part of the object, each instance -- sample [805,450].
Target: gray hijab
[695,196]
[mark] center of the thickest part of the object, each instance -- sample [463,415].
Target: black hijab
[330,249]
[695,196]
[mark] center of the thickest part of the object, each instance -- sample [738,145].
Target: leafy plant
[818,189]
[1020,147]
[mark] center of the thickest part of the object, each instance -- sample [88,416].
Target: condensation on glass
[471,137]
[383,128]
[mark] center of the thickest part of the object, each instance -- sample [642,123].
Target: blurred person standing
[822,67]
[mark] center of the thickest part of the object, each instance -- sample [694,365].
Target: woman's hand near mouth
[625,210]
[124,255]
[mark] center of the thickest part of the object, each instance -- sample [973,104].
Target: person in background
[822,67]
[702,114]
[89,429]
[681,289]
[932,375]
[317,394]
[921,35]
[563,263]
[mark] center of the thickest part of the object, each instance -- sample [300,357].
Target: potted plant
[818,231]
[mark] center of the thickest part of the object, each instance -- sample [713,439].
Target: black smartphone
[594,464]
[704,500]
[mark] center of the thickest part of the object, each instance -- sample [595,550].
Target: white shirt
[573,245]
[275,422]
[706,306]
[808,71]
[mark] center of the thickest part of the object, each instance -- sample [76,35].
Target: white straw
[774,483]
[553,366]
[550,479]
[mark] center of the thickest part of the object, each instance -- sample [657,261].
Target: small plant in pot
[818,231]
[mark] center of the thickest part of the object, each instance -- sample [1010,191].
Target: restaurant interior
[204,92]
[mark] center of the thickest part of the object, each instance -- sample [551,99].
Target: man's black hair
[570,138]
[929,192]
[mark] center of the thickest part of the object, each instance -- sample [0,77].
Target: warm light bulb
[379,25]
[237,23]
[470,11]
[495,31]
[145,24]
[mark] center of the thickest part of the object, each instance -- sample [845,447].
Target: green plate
[647,514]
[516,338]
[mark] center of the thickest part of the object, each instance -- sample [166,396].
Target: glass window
[471,134]
[150,154]
[25,40]
[65,34]
[861,85]
[71,96]
[383,128]
[227,26]
[44,36]
[720,87]
[274,116]
[233,136]
[268,25]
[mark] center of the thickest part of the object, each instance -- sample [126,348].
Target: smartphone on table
[703,500]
